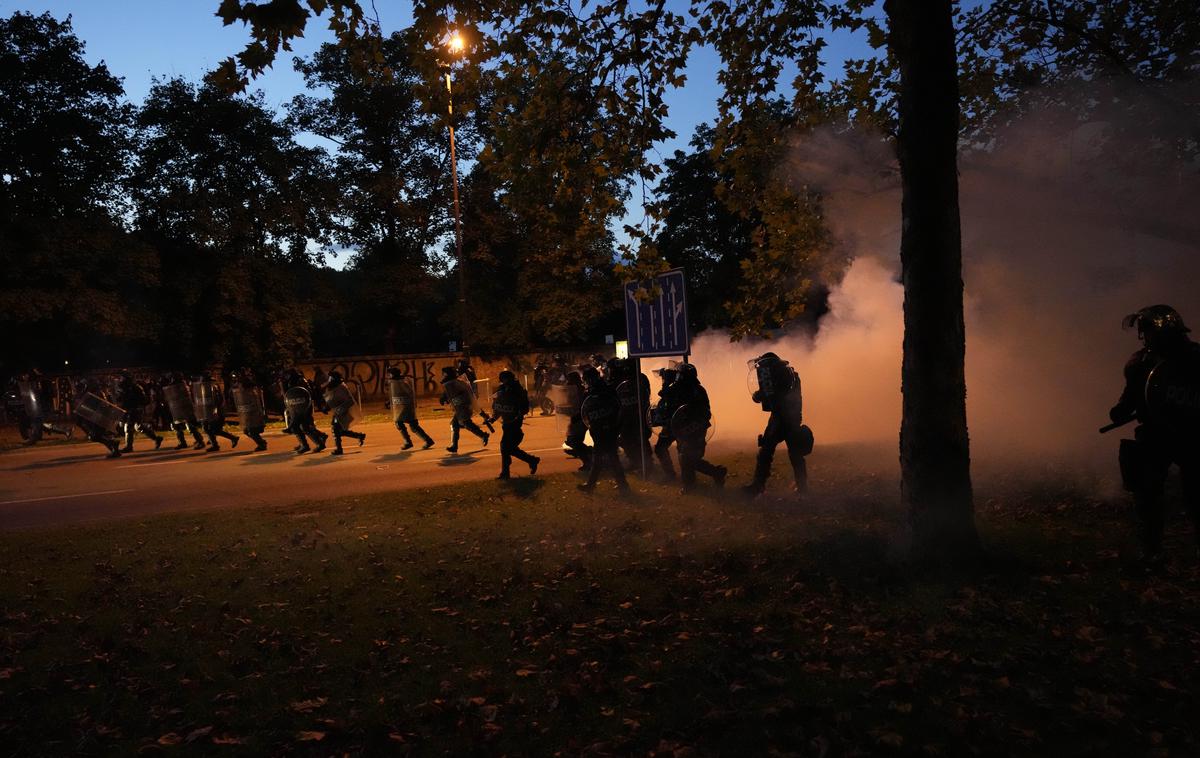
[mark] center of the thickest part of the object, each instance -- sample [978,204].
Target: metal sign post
[656,323]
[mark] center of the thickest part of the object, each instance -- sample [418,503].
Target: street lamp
[456,46]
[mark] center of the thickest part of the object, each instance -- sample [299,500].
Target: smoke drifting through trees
[1060,240]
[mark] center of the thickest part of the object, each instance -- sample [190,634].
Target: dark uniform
[633,390]
[210,411]
[779,393]
[248,402]
[340,402]
[1162,392]
[689,427]
[299,407]
[457,394]
[467,374]
[510,404]
[132,399]
[99,419]
[404,409]
[573,395]
[601,411]
[178,396]
[31,396]
[661,417]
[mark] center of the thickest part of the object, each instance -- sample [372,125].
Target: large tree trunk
[934,450]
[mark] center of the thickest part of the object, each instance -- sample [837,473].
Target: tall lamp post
[456,46]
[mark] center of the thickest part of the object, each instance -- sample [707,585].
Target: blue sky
[143,39]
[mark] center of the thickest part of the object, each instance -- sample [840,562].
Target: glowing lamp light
[456,43]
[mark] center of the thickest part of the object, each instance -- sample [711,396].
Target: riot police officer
[689,425]
[466,373]
[570,405]
[31,403]
[178,396]
[132,398]
[510,404]
[99,419]
[661,418]
[210,411]
[340,403]
[457,394]
[1162,393]
[404,409]
[246,400]
[601,413]
[298,404]
[633,390]
[777,389]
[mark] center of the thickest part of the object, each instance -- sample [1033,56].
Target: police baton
[1116,425]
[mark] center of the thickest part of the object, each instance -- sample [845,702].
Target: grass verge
[526,618]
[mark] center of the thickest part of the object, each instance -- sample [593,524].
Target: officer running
[132,398]
[1162,393]
[457,394]
[210,411]
[777,389]
[689,426]
[510,404]
[246,400]
[601,412]
[340,402]
[298,404]
[404,409]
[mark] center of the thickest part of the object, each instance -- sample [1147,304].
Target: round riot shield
[30,399]
[100,413]
[690,424]
[249,408]
[204,400]
[566,398]
[401,397]
[601,412]
[298,403]
[340,401]
[1173,394]
[179,402]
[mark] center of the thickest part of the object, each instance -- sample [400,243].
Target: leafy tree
[234,204]
[72,283]
[393,173]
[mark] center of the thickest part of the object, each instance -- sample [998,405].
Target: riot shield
[179,401]
[340,401]
[401,397]
[690,424]
[566,398]
[1173,394]
[100,413]
[601,412]
[249,409]
[298,404]
[461,399]
[627,392]
[30,399]
[204,400]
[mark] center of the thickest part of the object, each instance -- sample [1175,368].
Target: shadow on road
[324,457]
[392,457]
[55,462]
[276,457]
[458,459]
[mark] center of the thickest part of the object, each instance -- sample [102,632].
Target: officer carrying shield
[601,412]
[99,419]
[132,398]
[1162,393]
[571,396]
[34,402]
[210,411]
[775,386]
[689,427]
[661,418]
[467,374]
[633,390]
[510,404]
[178,396]
[340,402]
[404,409]
[457,394]
[246,400]
[298,401]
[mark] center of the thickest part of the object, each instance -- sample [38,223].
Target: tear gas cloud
[1058,245]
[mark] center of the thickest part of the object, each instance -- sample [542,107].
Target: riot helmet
[1157,325]
[574,378]
[687,372]
[394,372]
[448,374]
[591,377]
[335,378]
[507,377]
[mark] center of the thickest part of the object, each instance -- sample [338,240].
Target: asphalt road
[70,483]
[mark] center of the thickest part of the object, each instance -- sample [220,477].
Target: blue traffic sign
[656,316]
